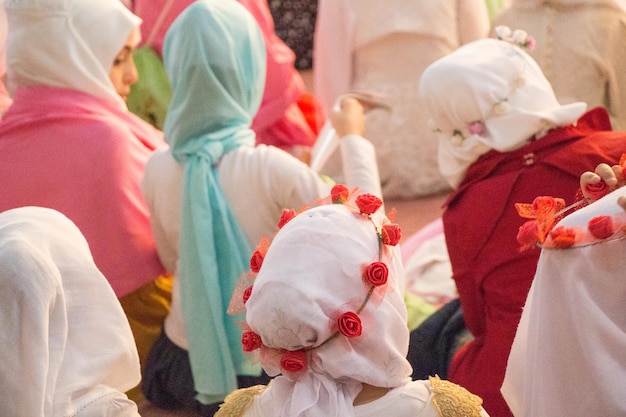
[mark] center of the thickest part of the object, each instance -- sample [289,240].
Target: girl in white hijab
[326,312]
[67,347]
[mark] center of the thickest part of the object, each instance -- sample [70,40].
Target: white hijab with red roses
[313,274]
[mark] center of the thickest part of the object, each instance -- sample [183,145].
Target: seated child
[325,312]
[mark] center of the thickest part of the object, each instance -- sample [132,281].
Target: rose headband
[547,211]
[348,323]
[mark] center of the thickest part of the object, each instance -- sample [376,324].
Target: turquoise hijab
[215,58]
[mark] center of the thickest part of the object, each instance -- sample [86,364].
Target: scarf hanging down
[215,57]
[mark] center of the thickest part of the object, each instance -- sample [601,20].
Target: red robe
[481,224]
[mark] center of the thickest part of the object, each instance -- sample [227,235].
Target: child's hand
[603,180]
[349,119]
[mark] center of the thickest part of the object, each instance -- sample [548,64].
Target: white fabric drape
[67,347]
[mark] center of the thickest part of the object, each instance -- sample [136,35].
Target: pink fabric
[279,121]
[84,157]
[415,241]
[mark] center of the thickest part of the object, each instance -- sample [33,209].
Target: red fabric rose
[349,324]
[339,194]
[294,361]
[545,203]
[246,294]
[256,261]
[286,216]
[391,234]
[601,227]
[376,273]
[596,191]
[368,203]
[563,237]
[250,341]
[528,234]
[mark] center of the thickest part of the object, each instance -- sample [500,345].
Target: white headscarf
[312,273]
[488,94]
[569,354]
[67,348]
[67,43]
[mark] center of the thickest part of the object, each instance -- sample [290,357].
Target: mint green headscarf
[215,58]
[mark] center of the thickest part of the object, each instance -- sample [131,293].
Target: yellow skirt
[146,309]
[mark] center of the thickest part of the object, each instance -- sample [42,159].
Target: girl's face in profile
[123,73]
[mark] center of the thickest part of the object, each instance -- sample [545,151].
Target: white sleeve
[360,168]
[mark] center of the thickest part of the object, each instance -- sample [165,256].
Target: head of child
[326,309]
[489,95]
[85,46]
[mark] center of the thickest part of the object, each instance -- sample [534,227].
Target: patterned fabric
[453,400]
[295,24]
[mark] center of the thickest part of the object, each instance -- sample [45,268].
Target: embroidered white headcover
[311,275]
[67,347]
[67,43]
[488,94]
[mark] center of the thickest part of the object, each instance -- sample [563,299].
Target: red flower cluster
[256,261]
[349,324]
[339,194]
[391,234]
[285,217]
[368,203]
[601,227]
[246,294]
[546,212]
[376,274]
[528,234]
[597,191]
[294,361]
[250,341]
[563,237]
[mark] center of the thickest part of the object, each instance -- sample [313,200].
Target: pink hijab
[68,142]
[279,121]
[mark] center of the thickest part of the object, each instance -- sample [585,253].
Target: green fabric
[417,309]
[493,7]
[150,96]
[215,56]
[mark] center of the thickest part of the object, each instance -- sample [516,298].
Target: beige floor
[411,215]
